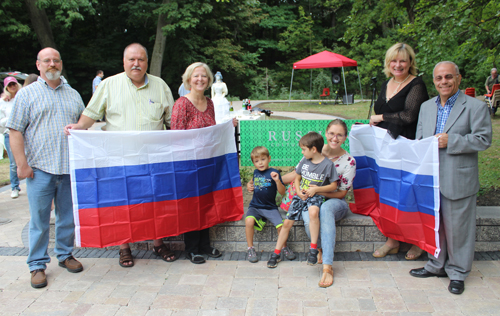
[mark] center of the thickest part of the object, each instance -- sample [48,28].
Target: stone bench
[354,233]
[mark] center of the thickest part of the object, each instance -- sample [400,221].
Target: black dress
[401,111]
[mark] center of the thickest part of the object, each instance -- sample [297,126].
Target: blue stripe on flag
[128,185]
[402,190]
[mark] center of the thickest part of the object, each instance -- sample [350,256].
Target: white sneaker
[14,194]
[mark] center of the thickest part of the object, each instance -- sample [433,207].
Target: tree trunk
[42,28]
[41,24]
[410,5]
[159,48]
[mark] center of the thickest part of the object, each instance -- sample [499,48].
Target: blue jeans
[331,210]
[14,179]
[42,189]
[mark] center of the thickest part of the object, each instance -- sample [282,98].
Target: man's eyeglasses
[337,136]
[47,61]
[447,77]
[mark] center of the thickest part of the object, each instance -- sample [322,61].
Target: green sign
[281,138]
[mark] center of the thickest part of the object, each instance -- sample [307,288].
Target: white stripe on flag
[91,150]
[401,153]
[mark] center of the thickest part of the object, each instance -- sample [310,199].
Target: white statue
[221,104]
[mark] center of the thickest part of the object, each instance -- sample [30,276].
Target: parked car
[16,74]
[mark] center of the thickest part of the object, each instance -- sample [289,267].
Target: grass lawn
[351,111]
[489,160]
[4,171]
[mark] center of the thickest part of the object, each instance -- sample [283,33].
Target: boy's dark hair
[312,139]
[259,151]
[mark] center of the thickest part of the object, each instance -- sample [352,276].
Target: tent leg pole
[345,87]
[311,86]
[360,90]
[291,82]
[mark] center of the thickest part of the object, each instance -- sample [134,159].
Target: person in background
[397,110]
[30,79]
[11,87]
[182,90]
[491,80]
[97,80]
[463,127]
[40,148]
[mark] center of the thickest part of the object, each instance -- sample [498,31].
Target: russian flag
[133,186]
[397,184]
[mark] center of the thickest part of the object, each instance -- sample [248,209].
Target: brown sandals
[164,253]
[126,256]
[326,270]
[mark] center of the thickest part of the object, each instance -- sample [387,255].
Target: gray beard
[53,75]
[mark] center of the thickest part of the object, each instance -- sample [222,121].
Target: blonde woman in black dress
[397,109]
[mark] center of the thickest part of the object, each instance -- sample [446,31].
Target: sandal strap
[163,252]
[196,256]
[328,270]
[126,255]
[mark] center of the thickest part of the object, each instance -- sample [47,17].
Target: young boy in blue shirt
[315,174]
[266,182]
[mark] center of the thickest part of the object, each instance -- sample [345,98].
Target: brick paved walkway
[231,286]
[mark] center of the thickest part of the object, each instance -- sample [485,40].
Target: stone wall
[354,233]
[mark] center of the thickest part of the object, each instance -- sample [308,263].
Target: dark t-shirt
[264,193]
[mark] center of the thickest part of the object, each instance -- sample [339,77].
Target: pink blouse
[186,116]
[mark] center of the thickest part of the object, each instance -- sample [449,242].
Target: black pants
[197,241]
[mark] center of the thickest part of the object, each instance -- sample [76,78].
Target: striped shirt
[444,111]
[128,108]
[40,113]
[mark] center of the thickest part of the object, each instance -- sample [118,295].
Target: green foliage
[246,174]
[243,38]
[322,80]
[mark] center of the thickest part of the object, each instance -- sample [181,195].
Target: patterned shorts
[298,206]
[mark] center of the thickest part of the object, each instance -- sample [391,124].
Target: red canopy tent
[326,59]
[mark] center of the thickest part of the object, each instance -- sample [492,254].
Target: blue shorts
[298,206]
[261,215]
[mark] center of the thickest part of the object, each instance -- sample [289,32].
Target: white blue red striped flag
[133,186]
[397,184]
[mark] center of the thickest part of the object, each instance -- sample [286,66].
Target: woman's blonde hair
[406,52]
[189,71]
[19,86]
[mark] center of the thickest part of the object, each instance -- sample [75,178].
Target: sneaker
[38,278]
[71,264]
[312,256]
[15,194]
[288,253]
[273,261]
[252,255]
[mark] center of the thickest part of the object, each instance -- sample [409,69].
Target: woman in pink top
[195,110]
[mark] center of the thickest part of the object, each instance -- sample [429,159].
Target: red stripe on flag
[412,227]
[110,226]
